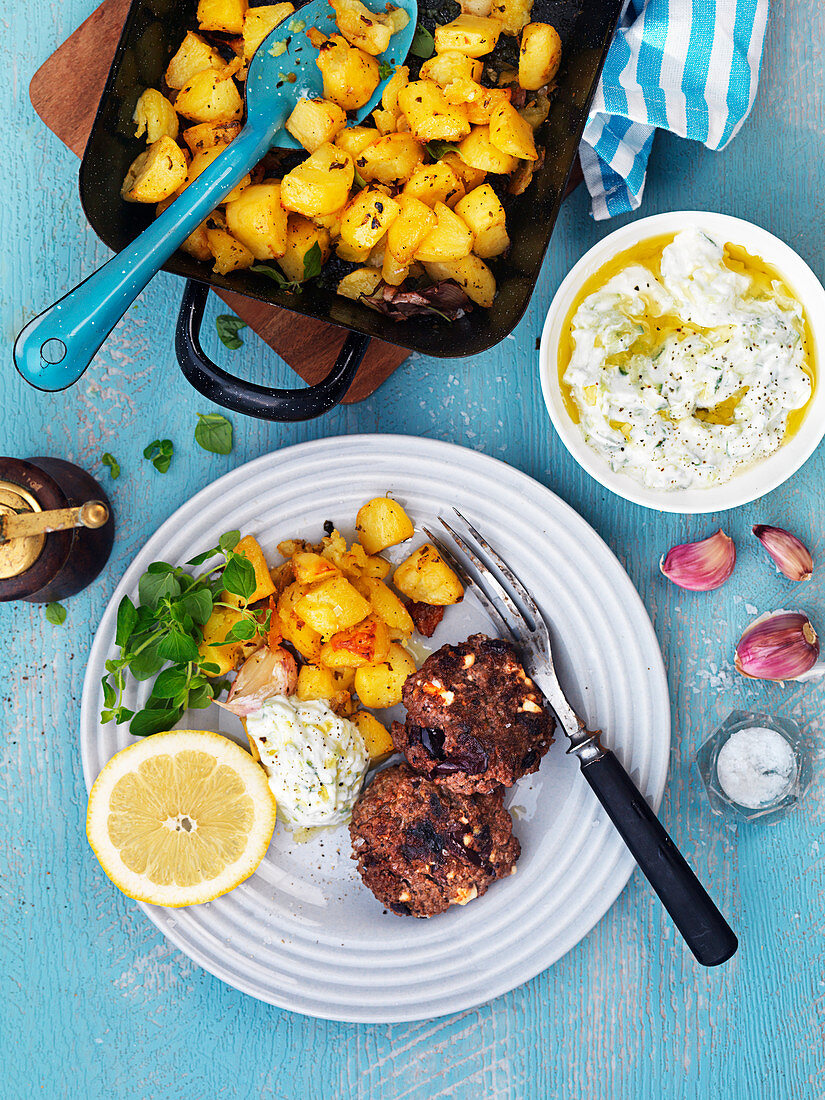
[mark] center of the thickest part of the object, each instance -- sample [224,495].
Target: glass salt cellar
[766,793]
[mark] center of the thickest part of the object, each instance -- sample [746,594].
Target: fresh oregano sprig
[159,637]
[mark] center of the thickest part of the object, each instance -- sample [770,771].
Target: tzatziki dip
[684,367]
[316,761]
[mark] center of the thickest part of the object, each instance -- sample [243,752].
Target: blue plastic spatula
[54,349]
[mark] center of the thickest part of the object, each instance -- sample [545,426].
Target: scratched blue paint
[96,1004]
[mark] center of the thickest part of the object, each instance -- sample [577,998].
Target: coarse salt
[756,767]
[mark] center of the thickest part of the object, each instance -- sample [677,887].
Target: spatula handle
[703,927]
[55,348]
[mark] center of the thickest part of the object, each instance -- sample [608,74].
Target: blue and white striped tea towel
[689,66]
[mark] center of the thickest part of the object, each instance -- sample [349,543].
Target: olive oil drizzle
[766,282]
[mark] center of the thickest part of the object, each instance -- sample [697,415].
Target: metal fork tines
[512,608]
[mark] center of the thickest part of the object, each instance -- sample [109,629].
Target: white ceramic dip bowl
[763,475]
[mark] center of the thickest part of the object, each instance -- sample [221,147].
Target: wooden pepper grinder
[56,529]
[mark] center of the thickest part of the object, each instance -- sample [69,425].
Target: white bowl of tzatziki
[679,362]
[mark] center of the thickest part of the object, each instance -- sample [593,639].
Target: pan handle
[224,389]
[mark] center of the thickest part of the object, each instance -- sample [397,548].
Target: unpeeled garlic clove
[700,566]
[266,673]
[791,556]
[781,645]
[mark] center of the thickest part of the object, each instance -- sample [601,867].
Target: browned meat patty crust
[474,717]
[421,848]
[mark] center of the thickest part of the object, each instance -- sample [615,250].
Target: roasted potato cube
[480,102]
[362,281]
[512,14]
[484,214]
[478,151]
[386,605]
[451,65]
[321,184]
[471,273]
[512,134]
[426,578]
[379,686]
[207,135]
[222,15]
[229,255]
[450,239]
[432,183]
[301,236]
[355,139]
[366,643]
[389,97]
[250,549]
[382,522]
[259,22]
[293,546]
[349,561]
[197,244]
[430,116]
[409,229]
[470,178]
[368,30]
[155,117]
[472,35]
[207,97]
[386,122]
[351,254]
[215,630]
[156,174]
[193,56]
[309,567]
[367,218]
[350,75]
[201,161]
[392,160]
[376,566]
[332,605]
[282,576]
[393,272]
[315,682]
[377,253]
[539,56]
[314,122]
[295,629]
[376,736]
[257,219]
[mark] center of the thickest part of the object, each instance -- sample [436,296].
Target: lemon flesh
[180,818]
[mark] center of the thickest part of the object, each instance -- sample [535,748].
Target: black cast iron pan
[152,32]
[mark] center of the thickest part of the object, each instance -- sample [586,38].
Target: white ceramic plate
[303,933]
[754,481]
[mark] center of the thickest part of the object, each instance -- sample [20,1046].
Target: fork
[497,587]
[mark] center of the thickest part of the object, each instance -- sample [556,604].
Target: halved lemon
[180,818]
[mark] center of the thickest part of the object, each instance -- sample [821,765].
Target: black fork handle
[705,930]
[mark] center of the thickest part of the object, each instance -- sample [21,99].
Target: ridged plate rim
[561,892]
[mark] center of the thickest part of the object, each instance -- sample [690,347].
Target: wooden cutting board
[65,92]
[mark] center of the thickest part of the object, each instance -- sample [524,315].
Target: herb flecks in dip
[687,366]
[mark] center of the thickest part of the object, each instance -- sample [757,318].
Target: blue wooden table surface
[95,1003]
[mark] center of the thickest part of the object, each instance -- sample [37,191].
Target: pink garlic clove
[266,673]
[791,556]
[700,566]
[779,646]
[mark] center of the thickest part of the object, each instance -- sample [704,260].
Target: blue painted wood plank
[96,1004]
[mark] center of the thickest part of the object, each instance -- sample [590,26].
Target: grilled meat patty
[421,848]
[474,717]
